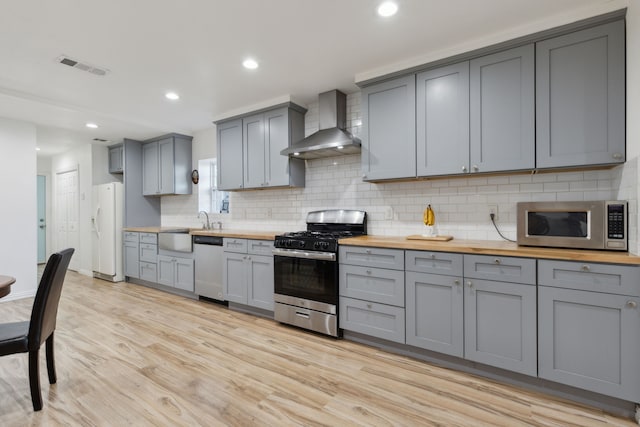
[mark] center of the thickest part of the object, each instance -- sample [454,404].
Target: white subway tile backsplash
[460,203]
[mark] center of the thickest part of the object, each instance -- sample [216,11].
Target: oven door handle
[292,253]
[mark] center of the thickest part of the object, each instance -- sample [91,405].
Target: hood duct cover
[332,139]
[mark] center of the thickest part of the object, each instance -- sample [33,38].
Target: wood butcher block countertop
[156,229]
[489,247]
[237,234]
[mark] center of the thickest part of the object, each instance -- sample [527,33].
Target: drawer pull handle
[304,315]
[497,261]
[469,284]
[632,304]
[368,251]
[586,268]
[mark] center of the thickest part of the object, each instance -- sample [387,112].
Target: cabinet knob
[368,251]
[586,268]
[476,168]
[364,176]
[369,272]
[632,304]
[469,284]
[617,156]
[456,282]
[433,256]
[496,261]
[464,168]
[369,306]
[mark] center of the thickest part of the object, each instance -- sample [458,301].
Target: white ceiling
[195,47]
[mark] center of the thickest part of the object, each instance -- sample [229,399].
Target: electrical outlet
[388,212]
[493,209]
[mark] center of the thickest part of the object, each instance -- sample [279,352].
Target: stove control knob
[321,245]
[301,244]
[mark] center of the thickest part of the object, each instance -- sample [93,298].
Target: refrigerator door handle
[95,221]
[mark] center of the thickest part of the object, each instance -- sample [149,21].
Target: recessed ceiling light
[37,148]
[92,125]
[387,9]
[172,96]
[340,147]
[249,63]
[296,154]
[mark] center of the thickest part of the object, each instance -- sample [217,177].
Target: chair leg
[51,361]
[34,380]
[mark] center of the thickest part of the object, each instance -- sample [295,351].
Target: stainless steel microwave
[585,225]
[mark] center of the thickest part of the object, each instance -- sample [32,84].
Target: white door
[66,213]
[42,224]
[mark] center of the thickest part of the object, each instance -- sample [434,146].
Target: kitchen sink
[175,240]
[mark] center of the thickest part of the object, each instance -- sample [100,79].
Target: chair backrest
[45,305]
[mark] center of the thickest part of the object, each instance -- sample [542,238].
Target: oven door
[308,275]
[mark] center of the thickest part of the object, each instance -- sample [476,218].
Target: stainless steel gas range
[306,270]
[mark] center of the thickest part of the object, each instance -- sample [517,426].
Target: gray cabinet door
[590,340]
[435,313]
[500,325]
[234,277]
[580,98]
[253,147]
[276,135]
[116,156]
[260,283]
[150,172]
[166,168]
[230,174]
[166,270]
[388,130]
[442,120]
[502,111]
[131,259]
[184,274]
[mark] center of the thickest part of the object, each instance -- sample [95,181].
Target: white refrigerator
[108,209]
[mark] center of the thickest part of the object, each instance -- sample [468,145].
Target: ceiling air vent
[100,140]
[63,59]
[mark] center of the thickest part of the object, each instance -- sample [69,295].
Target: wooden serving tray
[440,238]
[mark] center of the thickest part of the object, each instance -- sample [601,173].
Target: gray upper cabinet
[388,130]
[580,94]
[166,166]
[249,150]
[116,158]
[502,104]
[443,120]
[230,175]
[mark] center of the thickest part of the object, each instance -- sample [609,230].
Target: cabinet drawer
[131,236]
[434,262]
[372,284]
[148,271]
[260,247]
[370,318]
[588,276]
[501,269]
[149,238]
[235,245]
[148,252]
[372,257]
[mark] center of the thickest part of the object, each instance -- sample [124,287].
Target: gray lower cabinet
[372,292]
[166,165]
[388,129]
[176,272]
[249,149]
[589,326]
[131,253]
[148,256]
[247,272]
[435,312]
[580,98]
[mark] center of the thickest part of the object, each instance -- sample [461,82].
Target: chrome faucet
[206,226]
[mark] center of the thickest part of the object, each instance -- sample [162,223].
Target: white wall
[18,252]
[633,112]
[79,158]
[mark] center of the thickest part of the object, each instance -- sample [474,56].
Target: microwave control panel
[616,221]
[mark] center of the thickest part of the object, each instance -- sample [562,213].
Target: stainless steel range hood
[332,139]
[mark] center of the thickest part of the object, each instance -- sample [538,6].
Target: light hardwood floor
[129,355]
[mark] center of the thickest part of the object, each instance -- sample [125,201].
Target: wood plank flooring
[129,355]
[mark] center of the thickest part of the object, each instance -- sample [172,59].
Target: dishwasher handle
[207,240]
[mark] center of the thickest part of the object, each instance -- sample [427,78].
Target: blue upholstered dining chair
[28,336]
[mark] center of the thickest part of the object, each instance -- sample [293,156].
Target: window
[210,199]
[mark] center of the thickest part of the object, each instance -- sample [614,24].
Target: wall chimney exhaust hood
[332,139]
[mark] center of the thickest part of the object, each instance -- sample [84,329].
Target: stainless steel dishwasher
[207,252]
